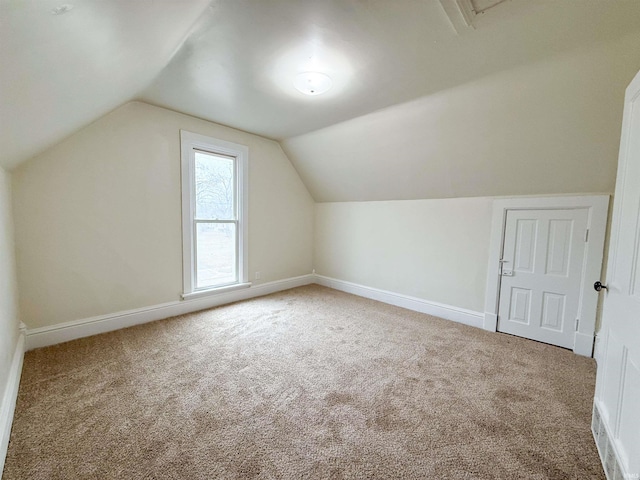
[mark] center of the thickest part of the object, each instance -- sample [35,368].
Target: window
[214,214]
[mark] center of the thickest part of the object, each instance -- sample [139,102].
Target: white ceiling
[549,127]
[60,72]
[233,61]
[238,65]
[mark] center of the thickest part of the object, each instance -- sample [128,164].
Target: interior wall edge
[10,396]
[11,338]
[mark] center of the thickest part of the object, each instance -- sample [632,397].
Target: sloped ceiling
[237,58]
[237,66]
[60,72]
[549,127]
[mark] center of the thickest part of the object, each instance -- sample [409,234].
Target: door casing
[597,206]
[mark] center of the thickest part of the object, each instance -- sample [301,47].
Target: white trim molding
[214,291]
[490,322]
[64,332]
[448,312]
[8,405]
[584,344]
[598,206]
[190,143]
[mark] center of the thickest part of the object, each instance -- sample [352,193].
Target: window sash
[236,246]
[205,220]
[233,220]
[190,144]
[235,179]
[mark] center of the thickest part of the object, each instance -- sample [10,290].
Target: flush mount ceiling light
[312,83]
[61,9]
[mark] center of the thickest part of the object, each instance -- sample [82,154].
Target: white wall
[550,127]
[98,219]
[436,250]
[9,323]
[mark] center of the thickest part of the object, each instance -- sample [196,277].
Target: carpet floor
[307,383]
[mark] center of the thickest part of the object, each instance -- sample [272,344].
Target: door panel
[628,428]
[618,379]
[552,311]
[609,373]
[559,247]
[520,302]
[635,278]
[525,245]
[542,271]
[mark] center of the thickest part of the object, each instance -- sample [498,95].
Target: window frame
[190,143]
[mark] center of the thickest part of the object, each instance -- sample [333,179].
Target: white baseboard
[490,322]
[583,344]
[8,405]
[448,312]
[64,332]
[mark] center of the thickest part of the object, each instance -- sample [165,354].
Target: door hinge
[577,323]
[586,235]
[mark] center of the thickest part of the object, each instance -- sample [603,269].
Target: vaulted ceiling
[60,72]
[233,62]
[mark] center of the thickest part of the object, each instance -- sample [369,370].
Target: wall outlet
[257,275]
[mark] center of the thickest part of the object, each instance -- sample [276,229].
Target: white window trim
[188,142]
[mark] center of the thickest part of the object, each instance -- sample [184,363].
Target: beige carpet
[308,383]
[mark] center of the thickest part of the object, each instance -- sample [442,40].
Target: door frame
[598,207]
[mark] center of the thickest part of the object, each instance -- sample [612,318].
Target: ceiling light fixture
[312,83]
[61,9]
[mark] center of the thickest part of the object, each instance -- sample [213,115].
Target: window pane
[214,179]
[216,254]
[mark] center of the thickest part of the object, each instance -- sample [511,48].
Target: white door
[542,272]
[617,427]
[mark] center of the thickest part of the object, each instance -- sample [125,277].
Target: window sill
[215,291]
